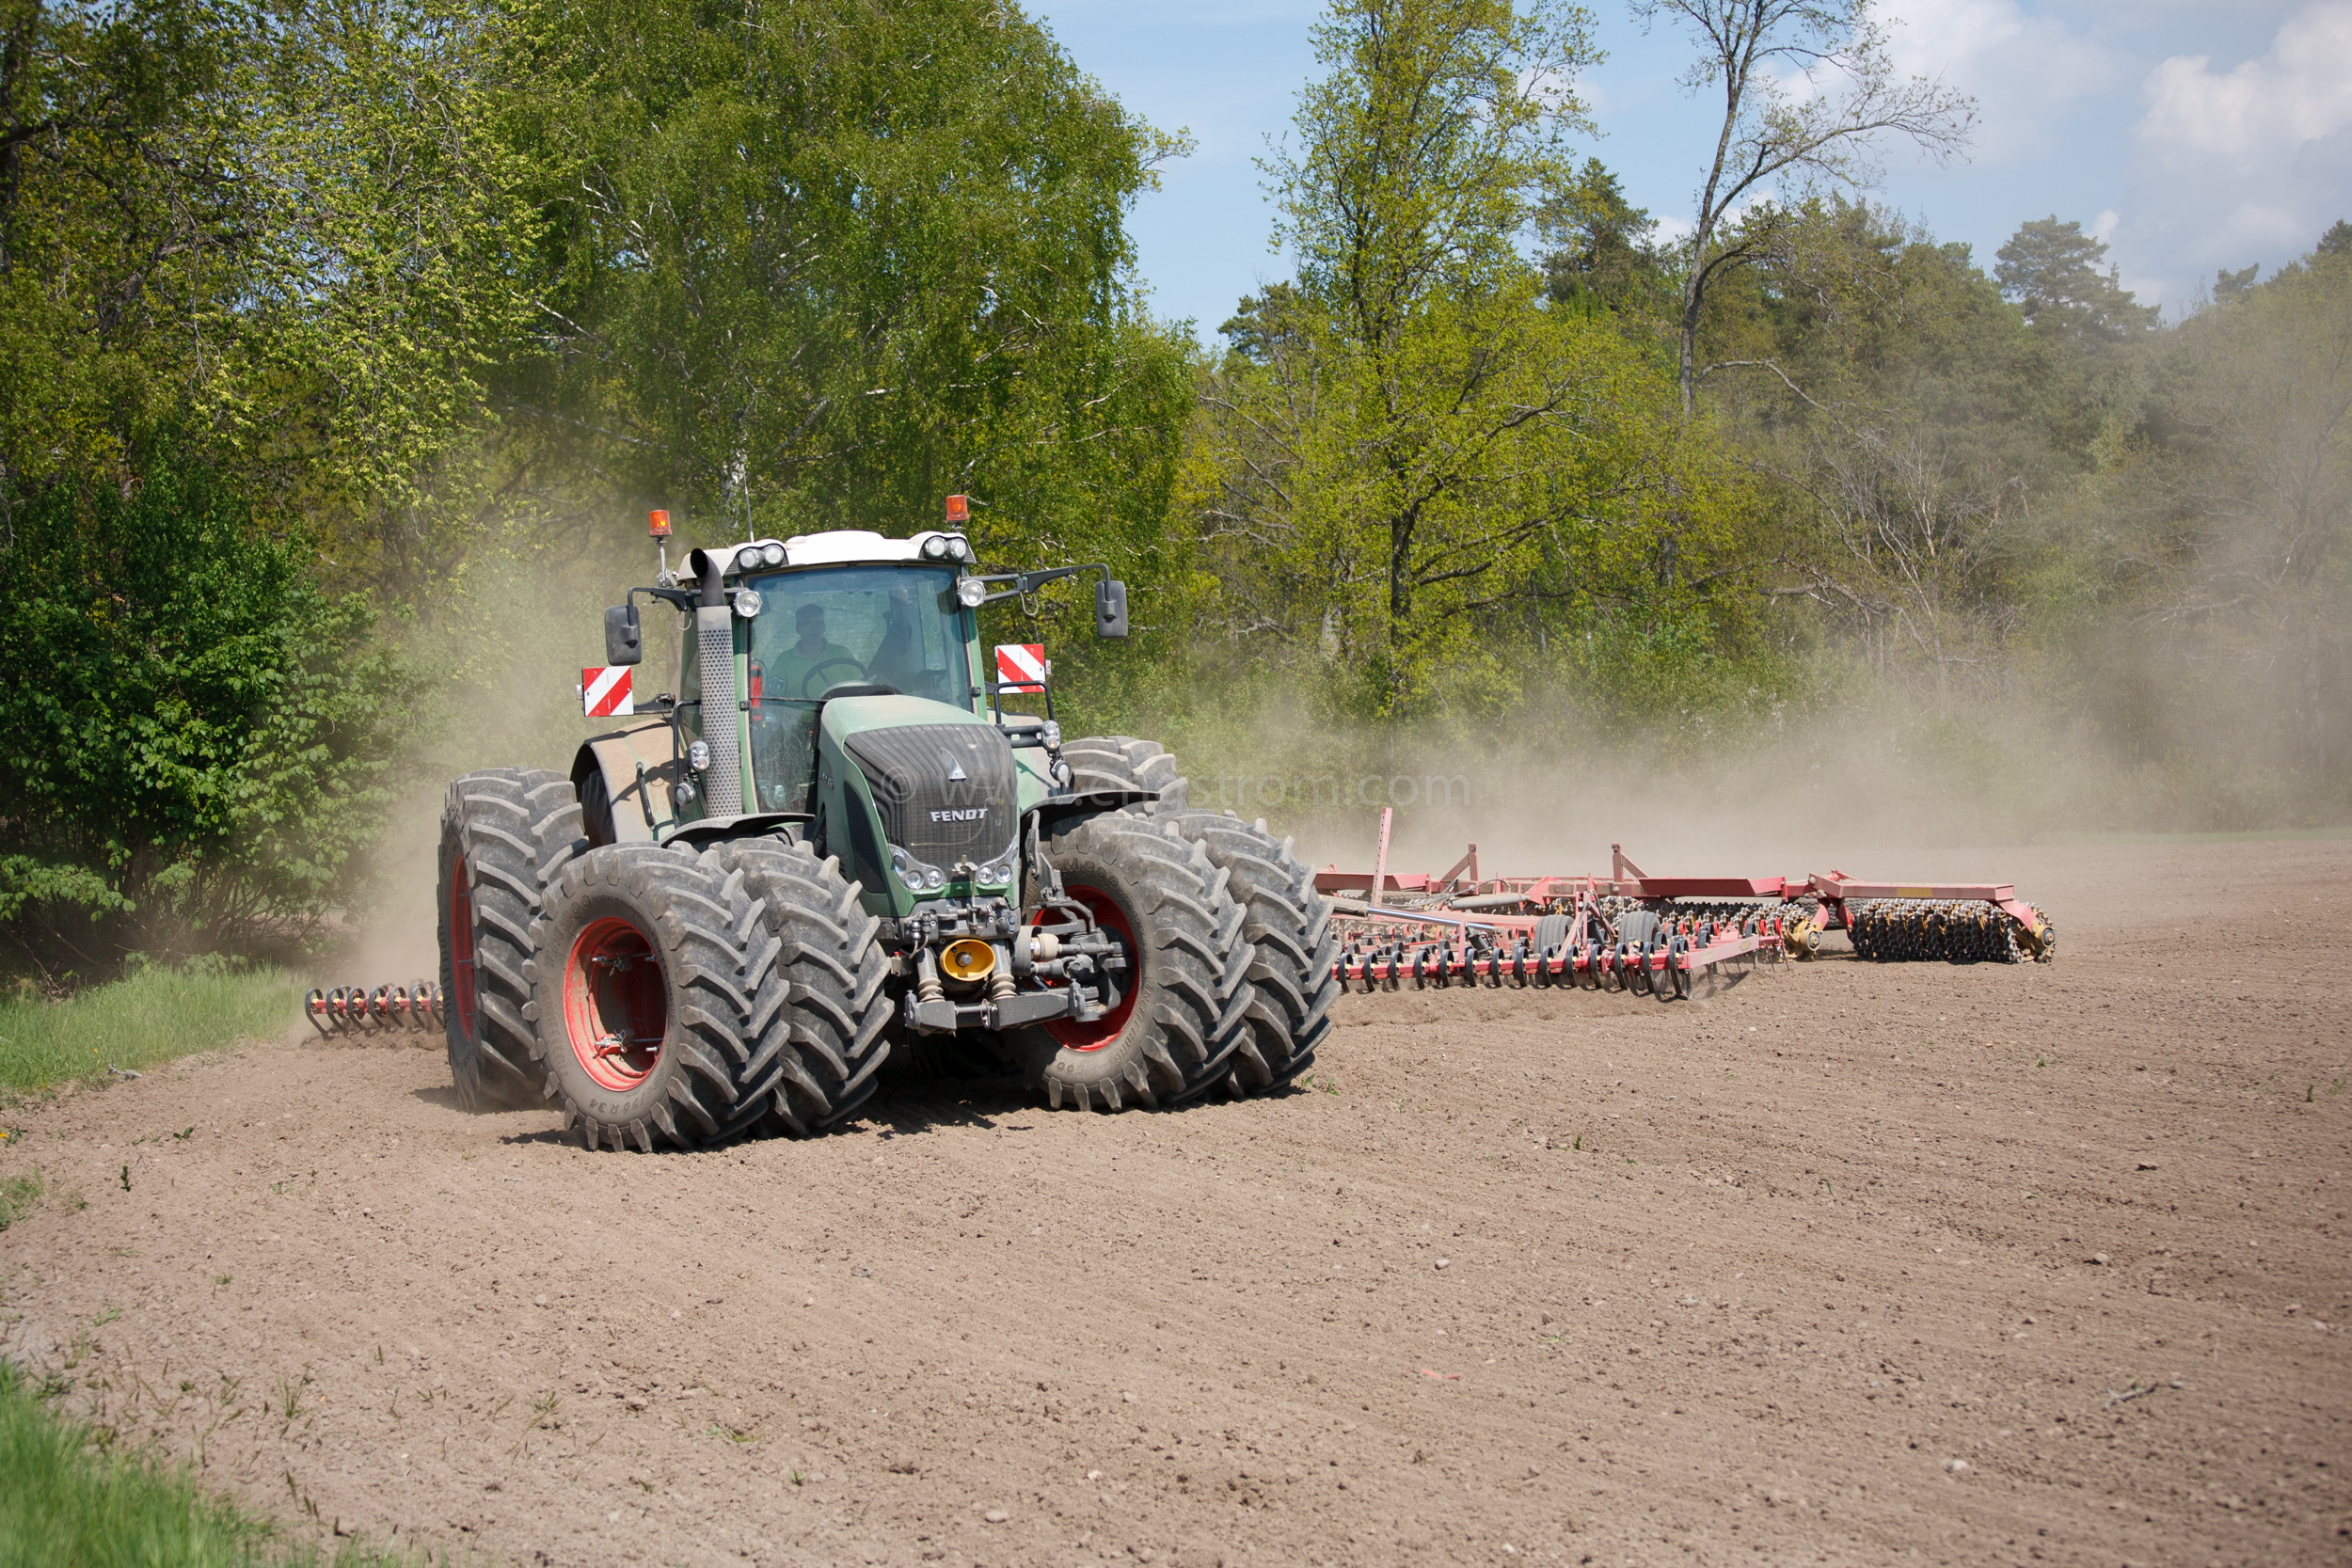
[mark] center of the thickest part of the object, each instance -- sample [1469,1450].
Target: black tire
[1550,931]
[652,941]
[1122,762]
[1186,990]
[506,833]
[818,1035]
[1293,953]
[595,809]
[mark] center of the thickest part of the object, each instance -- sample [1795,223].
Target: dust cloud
[1880,787]
[510,648]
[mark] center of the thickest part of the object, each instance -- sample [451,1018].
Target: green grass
[153,1016]
[66,1504]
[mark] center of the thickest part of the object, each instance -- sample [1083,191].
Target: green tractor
[831,838]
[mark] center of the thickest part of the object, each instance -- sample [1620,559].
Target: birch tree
[1808,90]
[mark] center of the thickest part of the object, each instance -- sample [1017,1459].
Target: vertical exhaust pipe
[714,662]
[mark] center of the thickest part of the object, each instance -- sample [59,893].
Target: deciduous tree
[1772,131]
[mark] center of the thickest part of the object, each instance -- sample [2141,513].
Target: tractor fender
[612,760]
[1053,808]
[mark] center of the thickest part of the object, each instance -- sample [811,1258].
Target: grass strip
[153,1017]
[65,1503]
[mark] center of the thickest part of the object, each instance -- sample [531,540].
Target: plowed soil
[1847,1263]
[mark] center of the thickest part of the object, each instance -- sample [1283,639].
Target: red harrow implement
[356,1009]
[1650,935]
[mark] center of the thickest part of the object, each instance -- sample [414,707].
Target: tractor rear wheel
[1122,762]
[644,994]
[817,1034]
[1183,995]
[1293,952]
[506,833]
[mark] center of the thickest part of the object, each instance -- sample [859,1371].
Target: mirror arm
[677,598]
[1026,583]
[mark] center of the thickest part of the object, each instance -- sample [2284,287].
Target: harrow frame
[356,1009]
[1462,927]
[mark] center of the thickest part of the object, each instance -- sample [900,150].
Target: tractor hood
[942,779]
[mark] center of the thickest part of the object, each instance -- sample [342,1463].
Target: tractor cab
[831,686]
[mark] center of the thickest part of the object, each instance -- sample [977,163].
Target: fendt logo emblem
[979,813]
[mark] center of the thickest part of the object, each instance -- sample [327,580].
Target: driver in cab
[798,666]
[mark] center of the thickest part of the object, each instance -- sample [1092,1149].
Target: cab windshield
[898,627]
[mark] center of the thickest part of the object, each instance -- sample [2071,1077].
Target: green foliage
[1913,421]
[2052,270]
[67,1500]
[203,734]
[1410,468]
[18,1194]
[1775,133]
[287,233]
[157,1014]
[1424,149]
[820,272]
[1607,255]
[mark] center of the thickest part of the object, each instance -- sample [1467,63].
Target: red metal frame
[1439,942]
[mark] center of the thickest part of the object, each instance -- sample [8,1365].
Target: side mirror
[1110,608]
[623,639]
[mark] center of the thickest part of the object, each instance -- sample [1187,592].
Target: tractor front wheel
[816,1031]
[641,996]
[1183,992]
[1292,955]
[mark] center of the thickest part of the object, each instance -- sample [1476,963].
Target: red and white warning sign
[1021,666]
[604,692]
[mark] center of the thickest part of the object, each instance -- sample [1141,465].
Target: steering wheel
[810,680]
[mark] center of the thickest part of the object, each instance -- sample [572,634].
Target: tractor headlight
[958,547]
[748,559]
[913,879]
[747,602]
[935,547]
[772,554]
[995,876]
[1053,736]
[935,878]
[970,592]
[698,757]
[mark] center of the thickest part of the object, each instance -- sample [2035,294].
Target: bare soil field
[1846,1263]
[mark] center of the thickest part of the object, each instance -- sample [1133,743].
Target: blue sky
[2191,135]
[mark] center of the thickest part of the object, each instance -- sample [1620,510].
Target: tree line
[329,329]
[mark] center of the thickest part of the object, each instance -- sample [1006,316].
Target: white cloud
[2027,72]
[2299,92]
[2244,164]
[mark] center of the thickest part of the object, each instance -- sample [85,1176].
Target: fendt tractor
[831,837]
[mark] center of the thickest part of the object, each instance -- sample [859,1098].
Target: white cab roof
[846,546]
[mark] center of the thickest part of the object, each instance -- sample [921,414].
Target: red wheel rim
[1068,1032]
[461,948]
[616,1005]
